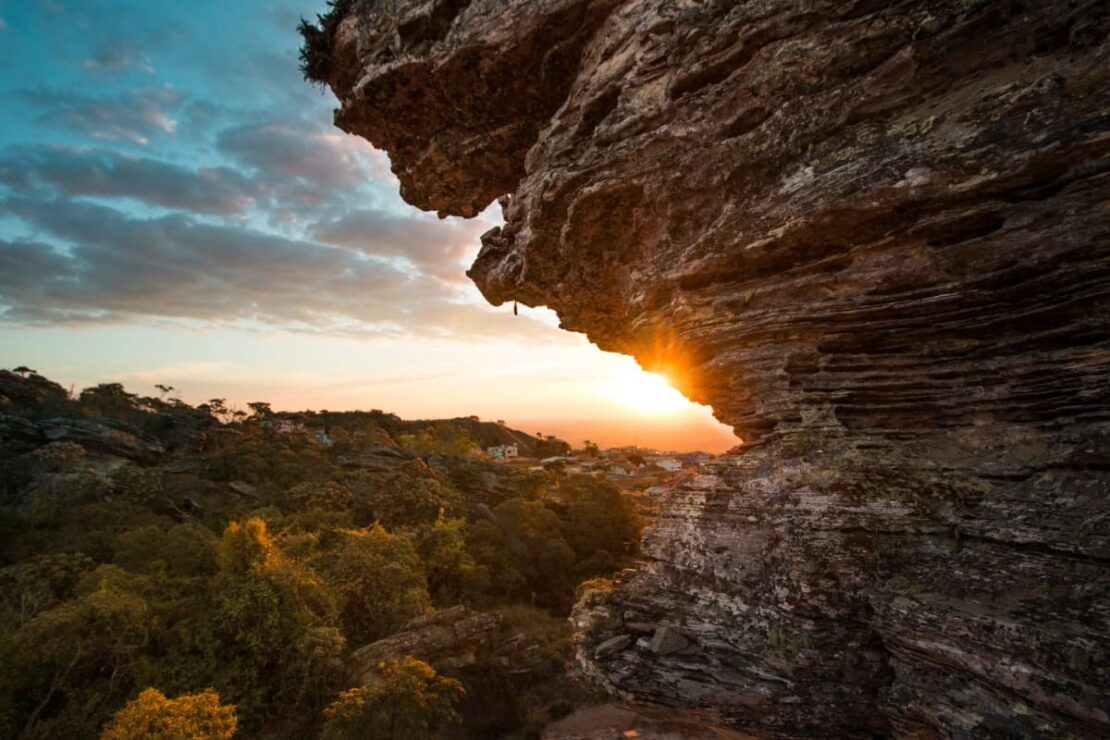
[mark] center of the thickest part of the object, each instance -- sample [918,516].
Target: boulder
[612,645]
[376,458]
[667,640]
[447,639]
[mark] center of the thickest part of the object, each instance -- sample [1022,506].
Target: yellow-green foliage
[406,700]
[188,717]
[111,583]
[377,577]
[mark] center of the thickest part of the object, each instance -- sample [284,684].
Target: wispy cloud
[133,117]
[117,56]
[119,268]
[71,172]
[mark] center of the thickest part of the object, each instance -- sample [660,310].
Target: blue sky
[176,207]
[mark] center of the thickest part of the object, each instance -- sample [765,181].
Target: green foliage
[315,54]
[325,496]
[138,485]
[64,654]
[109,399]
[35,585]
[152,716]
[453,575]
[602,524]
[526,554]
[441,439]
[406,701]
[118,578]
[377,578]
[183,550]
[407,497]
[265,458]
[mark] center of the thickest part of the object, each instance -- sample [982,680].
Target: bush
[188,717]
[318,38]
[406,700]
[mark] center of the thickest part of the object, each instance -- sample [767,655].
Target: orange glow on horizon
[645,392]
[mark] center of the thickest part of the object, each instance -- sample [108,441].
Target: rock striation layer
[875,237]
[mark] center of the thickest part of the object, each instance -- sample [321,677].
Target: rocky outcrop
[447,639]
[19,435]
[376,458]
[874,237]
[103,436]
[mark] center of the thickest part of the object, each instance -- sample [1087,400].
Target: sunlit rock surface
[875,236]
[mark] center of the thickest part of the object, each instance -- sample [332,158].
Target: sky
[176,208]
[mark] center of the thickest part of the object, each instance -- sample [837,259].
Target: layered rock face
[875,237]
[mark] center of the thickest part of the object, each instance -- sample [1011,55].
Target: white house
[503,452]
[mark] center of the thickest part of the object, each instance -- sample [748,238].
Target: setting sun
[646,392]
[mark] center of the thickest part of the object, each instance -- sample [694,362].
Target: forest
[170,570]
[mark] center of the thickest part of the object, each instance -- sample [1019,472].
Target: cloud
[117,56]
[118,268]
[107,174]
[436,247]
[133,117]
[282,150]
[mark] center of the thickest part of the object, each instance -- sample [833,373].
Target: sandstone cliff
[874,237]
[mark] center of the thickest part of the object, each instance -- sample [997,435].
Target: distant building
[288,426]
[668,463]
[503,452]
[321,436]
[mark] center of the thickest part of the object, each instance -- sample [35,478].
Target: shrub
[188,717]
[318,38]
[406,700]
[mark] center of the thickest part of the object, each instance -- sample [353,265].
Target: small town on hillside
[643,469]
[635,468]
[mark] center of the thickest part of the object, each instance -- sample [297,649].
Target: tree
[164,389]
[525,552]
[410,496]
[23,371]
[272,625]
[245,547]
[453,576]
[109,399]
[53,668]
[442,439]
[377,577]
[260,409]
[406,700]
[152,716]
[599,519]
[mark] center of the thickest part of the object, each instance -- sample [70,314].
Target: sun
[645,392]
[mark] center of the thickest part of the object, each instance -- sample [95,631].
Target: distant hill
[484,433]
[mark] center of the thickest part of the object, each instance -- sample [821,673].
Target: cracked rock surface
[875,237]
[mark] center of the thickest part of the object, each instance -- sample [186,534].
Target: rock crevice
[874,237]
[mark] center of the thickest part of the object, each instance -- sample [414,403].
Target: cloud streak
[103,173]
[133,117]
[120,268]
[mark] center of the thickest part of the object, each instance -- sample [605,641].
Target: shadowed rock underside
[874,237]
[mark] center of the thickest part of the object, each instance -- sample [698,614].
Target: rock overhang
[873,237]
